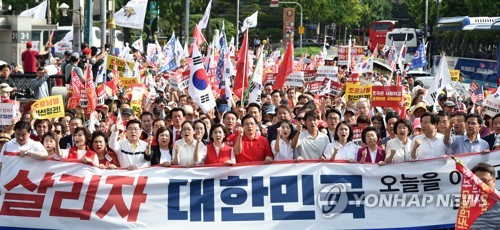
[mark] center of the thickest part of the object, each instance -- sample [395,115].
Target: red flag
[76,87]
[90,90]
[286,67]
[198,35]
[475,199]
[242,65]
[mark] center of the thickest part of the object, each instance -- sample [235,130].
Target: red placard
[387,96]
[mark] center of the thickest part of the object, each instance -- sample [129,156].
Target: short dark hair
[289,89]
[218,125]
[146,113]
[366,130]
[131,122]
[41,121]
[253,104]
[311,114]
[443,113]
[4,66]
[48,134]
[86,133]
[95,135]
[286,107]
[390,115]
[271,84]
[246,117]
[484,167]
[158,120]
[187,122]
[363,118]
[230,112]
[380,119]
[459,113]
[405,122]
[434,118]
[277,91]
[333,111]
[477,116]
[177,109]
[20,125]
[204,128]
[495,117]
[349,138]
[161,130]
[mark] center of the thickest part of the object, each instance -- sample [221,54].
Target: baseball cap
[224,108]
[128,111]
[449,104]
[416,123]
[29,44]
[86,51]
[188,109]
[5,87]
[350,110]
[75,55]
[271,110]
[418,105]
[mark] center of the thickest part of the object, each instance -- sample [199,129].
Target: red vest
[224,154]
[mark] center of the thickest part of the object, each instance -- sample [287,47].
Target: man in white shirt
[130,151]
[23,145]
[310,143]
[430,144]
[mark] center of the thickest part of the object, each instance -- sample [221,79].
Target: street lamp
[77,28]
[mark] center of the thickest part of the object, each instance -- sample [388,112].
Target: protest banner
[315,87]
[120,64]
[52,70]
[286,195]
[48,107]
[296,79]
[354,92]
[357,54]
[309,76]
[407,98]
[179,80]
[387,96]
[127,81]
[335,88]
[356,135]
[353,78]
[7,113]
[329,72]
[136,102]
[454,74]
[492,104]
[269,78]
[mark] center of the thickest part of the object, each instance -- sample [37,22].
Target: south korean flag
[199,88]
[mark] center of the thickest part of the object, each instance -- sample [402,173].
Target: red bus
[378,32]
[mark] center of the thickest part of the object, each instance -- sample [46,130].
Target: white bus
[399,35]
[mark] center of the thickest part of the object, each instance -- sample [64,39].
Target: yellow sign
[301,30]
[455,74]
[120,64]
[49,107]
[407,100]
[355,92]
[136,102]
[127,81]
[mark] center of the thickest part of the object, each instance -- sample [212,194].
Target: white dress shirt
[403,151]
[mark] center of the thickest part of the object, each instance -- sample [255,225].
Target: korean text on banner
[49,107]
[7,113]
[454,74]
[136,102]
[492,104]
[357,54]
[295,79]
[127,81]
[120,64]
[329,72]
[179,80]
[355,92]
[389,96]
[54,194]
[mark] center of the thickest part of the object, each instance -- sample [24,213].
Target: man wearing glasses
[332,119]
[470,142]
[491,218]
[131,150]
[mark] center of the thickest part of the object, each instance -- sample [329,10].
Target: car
[310,42]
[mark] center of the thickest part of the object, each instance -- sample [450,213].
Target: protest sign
[335,88]
[355,92]
[492,104]
[269,78]
[51,70]
[407,98]
[48,107]
[387,96]
[357,54]
[296,79]
[120,64]
[179,81]
[329,72]
[356,135]
[7,113]
[127,81]
[455,74]
[136,102]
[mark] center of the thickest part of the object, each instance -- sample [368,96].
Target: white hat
[6,88]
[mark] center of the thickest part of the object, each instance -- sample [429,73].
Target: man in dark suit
[67,141]
[333,117]
[496,126]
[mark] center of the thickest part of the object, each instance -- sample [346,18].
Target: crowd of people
[290,123]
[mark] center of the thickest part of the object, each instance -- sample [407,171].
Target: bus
[400,35]
[378,32]
[471,45]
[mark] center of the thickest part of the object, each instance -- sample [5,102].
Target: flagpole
[244,71]
[247,91]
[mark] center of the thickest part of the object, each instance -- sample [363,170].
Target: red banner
[75,90]
[476,197]
[387,96]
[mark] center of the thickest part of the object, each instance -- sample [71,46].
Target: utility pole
[186,21]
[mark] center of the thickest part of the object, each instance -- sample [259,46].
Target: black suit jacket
[490,139]
[63,143]
[272,132]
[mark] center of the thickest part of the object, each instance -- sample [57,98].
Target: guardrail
[24,84]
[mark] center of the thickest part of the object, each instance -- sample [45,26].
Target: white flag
[250,22]
[231,47]
[442,79]
[138,45]
[256,83]
[132,15]
[179,51]
[204,21]
[37,12]
[125,52]
[199,88]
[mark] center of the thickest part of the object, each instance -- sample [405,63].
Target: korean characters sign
[387,96]
[49,107]
[355,92]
